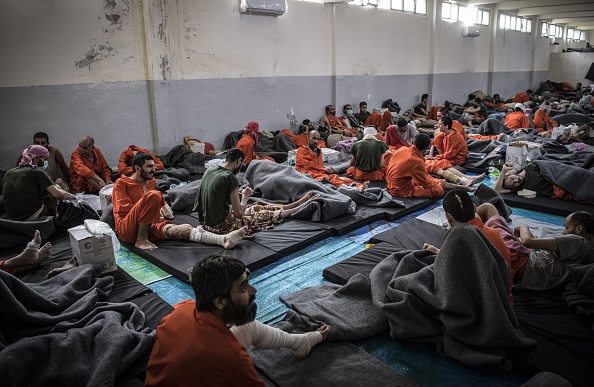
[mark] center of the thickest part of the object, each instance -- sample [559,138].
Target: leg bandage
[234,236]
[450,176]
[34,246]
[266,337]
[198,234]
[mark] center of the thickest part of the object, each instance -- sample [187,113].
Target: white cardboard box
[329,156]
[88,248]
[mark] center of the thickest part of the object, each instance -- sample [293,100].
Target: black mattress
[544,204]
[360,263]
[411,235]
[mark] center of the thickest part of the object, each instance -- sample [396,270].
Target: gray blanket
[458,299]
[18,233]
[182,198]
[281,183]
[59,332]
[578,181]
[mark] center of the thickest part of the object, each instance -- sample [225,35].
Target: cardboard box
[329,156]
[516,154]
[88,248]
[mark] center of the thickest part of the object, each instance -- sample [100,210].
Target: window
[414,6]
[551,30]
[576,35]
[454,12]
[515,23]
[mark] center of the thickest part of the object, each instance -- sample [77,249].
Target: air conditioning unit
[471,31]
[263,7]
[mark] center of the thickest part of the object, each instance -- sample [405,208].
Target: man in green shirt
[368,158]
[28,191]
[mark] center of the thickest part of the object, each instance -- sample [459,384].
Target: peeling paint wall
[148,72]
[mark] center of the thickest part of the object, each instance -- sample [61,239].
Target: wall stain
[113,18]
[110,4]
[96,53]
[165,67]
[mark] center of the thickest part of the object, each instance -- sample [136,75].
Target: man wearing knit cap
[249,141]
[518,118]
[367,163]
[28,191]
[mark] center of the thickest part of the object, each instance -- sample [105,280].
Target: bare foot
[429,247]
[144,244]
[325,331]
[363,187]
[478,179]
[464,182]
[234,237]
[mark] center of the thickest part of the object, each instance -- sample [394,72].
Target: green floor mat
[139,268]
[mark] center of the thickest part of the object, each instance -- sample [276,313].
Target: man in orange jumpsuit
[452,151]
[301,138]
[125,163]
[407,176]
[249,141]
[309,161]
[89,171]
[518,118]
[459,208]
[542,121]
[334,124]
[522,97]
[137,211]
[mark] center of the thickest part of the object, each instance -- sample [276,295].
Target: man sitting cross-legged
[407,175]
[368,158]
[33,255]
[309,161]
[223,208]
[194,344]
[137,208]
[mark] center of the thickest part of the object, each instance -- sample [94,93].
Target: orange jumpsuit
[516,120]
[407,176]
[301,138]
[541,119]
[457,127]
[521,97]
[374,120]
[387,120]
[307,161]
[125,163]
[497,240]
[246,144]
[133,207]
[337,123]
[454,150]
[82,168]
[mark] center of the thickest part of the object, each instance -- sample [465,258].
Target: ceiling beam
[588,27]
[572,20]
[509,5]
[555,9]
[566,15]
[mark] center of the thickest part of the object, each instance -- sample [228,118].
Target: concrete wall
[148,72]
[571,67]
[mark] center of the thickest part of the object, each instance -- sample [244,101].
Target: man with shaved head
[89,171]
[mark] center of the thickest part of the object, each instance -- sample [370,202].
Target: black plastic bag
[73,213]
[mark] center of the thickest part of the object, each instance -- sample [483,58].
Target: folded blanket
[77,339]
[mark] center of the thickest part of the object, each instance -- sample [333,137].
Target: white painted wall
[76,67]
[571,67]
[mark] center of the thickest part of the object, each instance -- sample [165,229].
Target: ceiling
[572,13]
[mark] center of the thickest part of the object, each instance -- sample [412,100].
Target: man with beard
[334,124]
[89,171]
[56,162]
[194,344]
[137,209]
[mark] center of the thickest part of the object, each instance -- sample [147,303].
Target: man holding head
[137,209]
[89,171]
[28,191]
[205,342]
[407,175]
[57,168]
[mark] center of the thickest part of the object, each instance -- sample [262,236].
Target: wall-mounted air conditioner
[471,31]
[263,7]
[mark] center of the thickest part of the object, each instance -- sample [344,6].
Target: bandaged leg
[198,234]
[266,337]
[450,176]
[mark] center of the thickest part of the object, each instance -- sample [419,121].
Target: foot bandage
[198,234]
[234,236]
[34,246]
[450,176]
[266,337]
